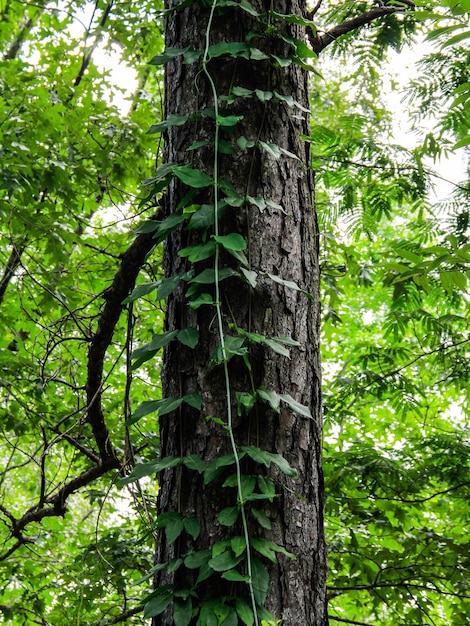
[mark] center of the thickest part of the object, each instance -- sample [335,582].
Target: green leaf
[205,216]
[287,341]
[259,456]
[224,561]
[168,55]
[220,546]
[235,576]
[271,149]
[271,397]
[228,516]
[174,565]
[264,547]
[146,407]
[158,342]
[260,579]
[173,528]
[182,611]
[198,252]
[139,471]
[204,298]
[238,545]
[157,605]
[233,49]
[462,143]
[295,19]
[167,286]
[244,144]
[149,226]
[245,401]
[282,61]
[258,55]
[231,619]
[198,144]
[234,241]
[301,409]
[168,225]
[262,519]
[193,177]
[287,283]
[263,96]
[267,487]
[229,120]
[146,469]
[194,462]
[194,400]
[197,559]
[189,337]
[283,465]
[154,570]
[141,290]
[258,202]
[168,405]
[241,92]
[250,275]
[243,4]
[244,611]
[172,120]
[277,347]
[207,276]
[192,527]
[225,147]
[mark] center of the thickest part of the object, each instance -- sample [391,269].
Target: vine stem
[205,61]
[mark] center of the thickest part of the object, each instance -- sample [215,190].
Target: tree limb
[12,265]
[320,41]
[120,618]
[54,505]
[347,621]
[124,280]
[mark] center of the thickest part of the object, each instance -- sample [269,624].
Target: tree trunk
[282,240]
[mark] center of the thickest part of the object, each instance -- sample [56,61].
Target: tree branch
[55,505]
[12,265]
[320,41]
[120,618]
[124,280]
[347,621]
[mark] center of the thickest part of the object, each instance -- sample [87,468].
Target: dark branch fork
[55,504]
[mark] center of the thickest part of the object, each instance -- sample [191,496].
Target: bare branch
[347,621]
[320,41]
[124,280]
[120,618]
[12,265]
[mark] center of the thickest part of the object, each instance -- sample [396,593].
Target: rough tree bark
[281,242]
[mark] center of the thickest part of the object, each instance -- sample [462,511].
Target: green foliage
[395,348]
[395,334]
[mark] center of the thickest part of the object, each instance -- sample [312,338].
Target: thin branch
[55,505]
[315,9]
[348,621]
[12,265]
[406,500]
[87,56]
[398,168]
[124,280]
[320,41]
[89,453]
[120,618]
